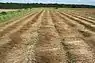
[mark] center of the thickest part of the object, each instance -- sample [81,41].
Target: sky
[89,2]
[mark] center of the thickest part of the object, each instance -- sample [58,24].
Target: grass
[6,16]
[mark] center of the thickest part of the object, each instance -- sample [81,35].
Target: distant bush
[4,13]
[19,10]
[33,5]
[56,7]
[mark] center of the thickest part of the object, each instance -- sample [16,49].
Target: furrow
[82,18]
[77,50]
[87,35]
[2,25]
[20,47]
[75,25]
[16,32]
[14,25]
[48,48]
[87,25]
[88,17]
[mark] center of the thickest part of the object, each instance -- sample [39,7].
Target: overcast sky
[90,2]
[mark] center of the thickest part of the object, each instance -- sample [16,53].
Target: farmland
[7,10]
[49,35]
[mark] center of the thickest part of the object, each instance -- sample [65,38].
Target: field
[7,10]
[49,35]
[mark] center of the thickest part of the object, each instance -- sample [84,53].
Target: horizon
[87,2]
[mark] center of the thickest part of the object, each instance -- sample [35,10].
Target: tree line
[33,5]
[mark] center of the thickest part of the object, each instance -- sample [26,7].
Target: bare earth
[48,36]
[7,10]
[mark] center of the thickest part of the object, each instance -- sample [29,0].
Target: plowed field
[48,36]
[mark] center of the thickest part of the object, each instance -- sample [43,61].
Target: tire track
[87,25]
[48,49]
[18,49]
[77,50]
